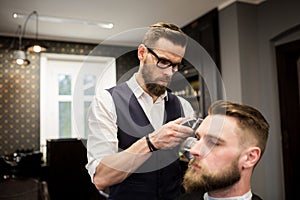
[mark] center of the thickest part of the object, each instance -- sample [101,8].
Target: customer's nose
[200,149]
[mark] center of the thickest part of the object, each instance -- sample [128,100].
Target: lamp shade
[36,47]
[20,58]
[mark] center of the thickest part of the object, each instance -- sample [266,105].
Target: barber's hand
[171,134]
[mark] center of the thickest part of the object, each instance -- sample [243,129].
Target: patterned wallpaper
[20,89]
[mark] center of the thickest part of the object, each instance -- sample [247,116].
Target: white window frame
[105,71]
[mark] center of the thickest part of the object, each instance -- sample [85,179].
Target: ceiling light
[35,46]
[19,56]
[106,25]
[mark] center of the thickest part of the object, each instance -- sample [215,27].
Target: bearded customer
[134,128]
[230,143]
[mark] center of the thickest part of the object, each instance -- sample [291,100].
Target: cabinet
[199,82]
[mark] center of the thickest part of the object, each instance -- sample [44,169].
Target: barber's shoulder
[187,107]
[103,98]
[182,100]
[102,94]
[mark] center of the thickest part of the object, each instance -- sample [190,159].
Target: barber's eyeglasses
[164,63]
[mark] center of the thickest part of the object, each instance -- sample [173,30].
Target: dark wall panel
[20,89]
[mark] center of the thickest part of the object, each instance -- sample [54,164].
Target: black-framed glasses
[164,63]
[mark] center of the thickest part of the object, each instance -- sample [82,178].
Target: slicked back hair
[165,30]
[248,118]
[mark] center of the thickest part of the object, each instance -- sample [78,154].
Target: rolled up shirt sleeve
[102,130]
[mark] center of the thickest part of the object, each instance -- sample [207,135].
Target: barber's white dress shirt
[102,121]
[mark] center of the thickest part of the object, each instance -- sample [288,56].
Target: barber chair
[23,189]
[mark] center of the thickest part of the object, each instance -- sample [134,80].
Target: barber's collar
[247,196]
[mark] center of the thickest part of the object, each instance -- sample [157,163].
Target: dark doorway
[288,69]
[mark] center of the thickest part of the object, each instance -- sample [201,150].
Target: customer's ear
[250,157]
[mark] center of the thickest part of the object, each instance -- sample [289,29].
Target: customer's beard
[195,181]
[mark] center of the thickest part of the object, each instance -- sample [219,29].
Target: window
[68,84]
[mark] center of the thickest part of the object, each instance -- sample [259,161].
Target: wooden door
[288,69]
